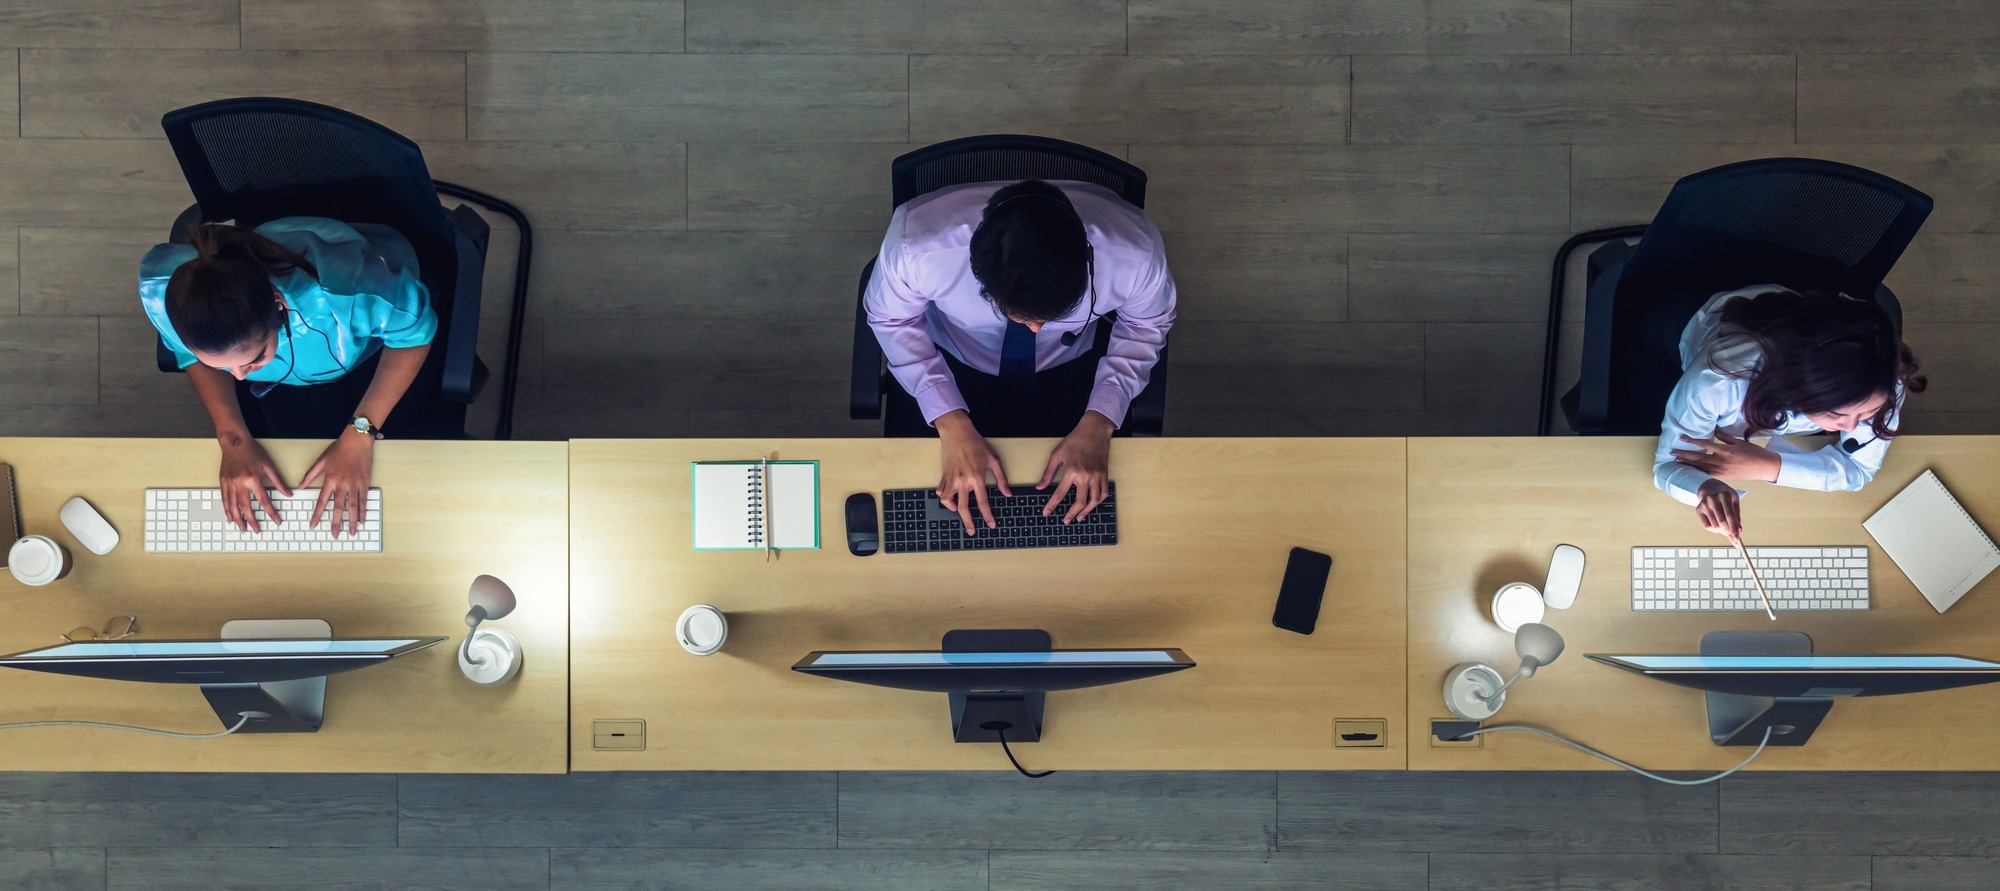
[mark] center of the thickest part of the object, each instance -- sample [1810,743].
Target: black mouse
[862,537]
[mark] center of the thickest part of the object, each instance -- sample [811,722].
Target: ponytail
[224,297]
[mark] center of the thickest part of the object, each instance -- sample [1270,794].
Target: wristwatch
[366,427]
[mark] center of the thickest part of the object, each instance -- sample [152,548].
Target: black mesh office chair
[1800,222]
[978,159]
[254,160]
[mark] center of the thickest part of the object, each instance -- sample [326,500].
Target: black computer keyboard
[913,521]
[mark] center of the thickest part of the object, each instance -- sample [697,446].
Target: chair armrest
[1886,299]
[464,374]
[165,358]
[1147,415]
[1593,403]
[864,382]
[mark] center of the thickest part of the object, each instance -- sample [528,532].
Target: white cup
[37,560]
[702,630]
[1517,604]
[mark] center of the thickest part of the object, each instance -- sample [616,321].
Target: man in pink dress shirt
[985,298]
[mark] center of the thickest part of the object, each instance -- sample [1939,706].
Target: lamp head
[490,598]
[1538,645]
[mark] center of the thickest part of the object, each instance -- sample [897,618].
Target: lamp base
[495,657]
[1466,683]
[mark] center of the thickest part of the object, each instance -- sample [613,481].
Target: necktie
[1017,360]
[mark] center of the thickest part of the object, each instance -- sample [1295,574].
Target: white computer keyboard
[191,520]
[1714,579]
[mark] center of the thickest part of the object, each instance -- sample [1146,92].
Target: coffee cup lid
[34,560]
[702,628]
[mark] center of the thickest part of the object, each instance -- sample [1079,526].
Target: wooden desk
[1482,514]
[452,511]
[1205,526]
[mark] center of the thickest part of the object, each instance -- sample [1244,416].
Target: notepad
[739,505]
[10,513]
[1934,541]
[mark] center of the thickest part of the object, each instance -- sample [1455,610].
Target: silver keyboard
[191,521]
[1715,580]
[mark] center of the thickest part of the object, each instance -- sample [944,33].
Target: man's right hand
[967,461]
[248,473]
[1718,509]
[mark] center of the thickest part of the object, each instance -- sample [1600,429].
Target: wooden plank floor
[992,831]
[1359,197]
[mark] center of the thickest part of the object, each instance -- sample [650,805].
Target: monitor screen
[167,649]
[947,660]
[1807,663]
[214,661]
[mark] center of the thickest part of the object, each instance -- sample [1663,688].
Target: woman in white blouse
[1769,361]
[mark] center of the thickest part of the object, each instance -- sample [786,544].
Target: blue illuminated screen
[142,649]
[944,660]
[1806,663]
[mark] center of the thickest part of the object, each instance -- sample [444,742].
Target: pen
[1738,542]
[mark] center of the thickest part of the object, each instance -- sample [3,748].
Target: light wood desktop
[1205,526]
[452,511]
[1482,514]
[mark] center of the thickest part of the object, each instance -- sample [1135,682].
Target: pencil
[1753,576]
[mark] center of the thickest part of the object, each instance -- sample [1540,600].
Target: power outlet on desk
[627,735]
[1360,733]
[1443,729]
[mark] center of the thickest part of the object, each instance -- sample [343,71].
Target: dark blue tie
[1017,360]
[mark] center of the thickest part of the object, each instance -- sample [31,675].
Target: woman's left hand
[345,467]
[1730,456]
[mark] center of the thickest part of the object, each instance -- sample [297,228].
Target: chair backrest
[1800,221]
[253,160]
[978,159]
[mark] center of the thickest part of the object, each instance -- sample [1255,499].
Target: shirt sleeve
[154,270]
[388,272]
[896,310]
[1832,468]
[1136,338]
[1698,401]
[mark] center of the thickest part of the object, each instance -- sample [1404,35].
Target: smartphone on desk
[1301,591]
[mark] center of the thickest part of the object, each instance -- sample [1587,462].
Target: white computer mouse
[90,528]
[1565,577]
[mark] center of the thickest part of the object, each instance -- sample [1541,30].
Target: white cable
[1644,773]
[239,726]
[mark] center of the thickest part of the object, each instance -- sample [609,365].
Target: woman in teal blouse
[303,327]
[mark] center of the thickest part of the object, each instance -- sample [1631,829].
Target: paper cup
[1517,604]
[702,630]
[37,560]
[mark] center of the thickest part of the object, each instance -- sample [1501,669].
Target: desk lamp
[492,655]
[1474,690]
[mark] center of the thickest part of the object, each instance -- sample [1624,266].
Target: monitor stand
[980,716]
[1737,720]
[284,706]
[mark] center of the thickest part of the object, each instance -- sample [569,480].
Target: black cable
[1002,732]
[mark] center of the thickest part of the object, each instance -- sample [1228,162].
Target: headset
[1070,338]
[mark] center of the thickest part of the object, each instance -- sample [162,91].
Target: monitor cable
[244,719]
[1597,754]
[1000,729]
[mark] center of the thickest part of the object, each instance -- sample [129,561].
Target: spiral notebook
[756,505]
[1934,541]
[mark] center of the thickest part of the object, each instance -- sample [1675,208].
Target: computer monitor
[281,680]
[1774,682]
[996,681]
